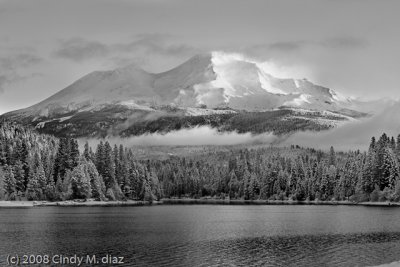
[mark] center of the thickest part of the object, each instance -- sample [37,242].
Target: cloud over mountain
[11,64]
[79,49]
[146,50]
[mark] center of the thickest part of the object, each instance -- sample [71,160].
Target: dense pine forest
[36,166]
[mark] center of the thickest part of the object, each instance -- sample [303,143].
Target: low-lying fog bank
[352,135]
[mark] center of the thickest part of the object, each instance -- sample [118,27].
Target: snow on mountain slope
[180,80]
[243,84]
[98,88]
[299,101]
[214,79]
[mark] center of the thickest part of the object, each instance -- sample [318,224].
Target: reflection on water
[208,235]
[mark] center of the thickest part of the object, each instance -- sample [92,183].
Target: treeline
[275,121]
[104,122]
[41,167]
[292,173]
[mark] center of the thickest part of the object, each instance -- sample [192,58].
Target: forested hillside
[278,122]
[121,121]
[41,167]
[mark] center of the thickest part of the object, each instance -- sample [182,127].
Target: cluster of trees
[41,167]
[288,173]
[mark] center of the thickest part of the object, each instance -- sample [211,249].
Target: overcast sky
[352,46]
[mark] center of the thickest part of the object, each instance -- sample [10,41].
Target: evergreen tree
[60,165]
[146,192]
[332,157]
[73,153]
[253,187]
[64,186]
[9,183]
[41,180]
[393,144]
[100,158]
[233,184]
[397,151]
[19,174]
[109,167]
[246,184]
[86,151]
[81,186]
[390,169]
[2,193]
[372,145]
[368,179]
[33,191]
[96,182]
[50,190]
[118,166]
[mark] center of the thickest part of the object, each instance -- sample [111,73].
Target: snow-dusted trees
[80,182]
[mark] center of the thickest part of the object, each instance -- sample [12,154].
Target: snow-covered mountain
[215,80]
[206,84]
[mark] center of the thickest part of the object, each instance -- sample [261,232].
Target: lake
[206,235]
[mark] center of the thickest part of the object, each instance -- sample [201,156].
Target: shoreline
[71,203]
[274,202]
[185,201]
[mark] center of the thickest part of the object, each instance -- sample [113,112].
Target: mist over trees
[41,167]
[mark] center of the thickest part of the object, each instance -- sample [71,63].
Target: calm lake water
[207,235]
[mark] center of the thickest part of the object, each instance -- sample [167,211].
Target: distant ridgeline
[41,167]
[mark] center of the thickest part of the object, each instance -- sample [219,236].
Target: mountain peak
[133,67]
[214,79]
[201,56]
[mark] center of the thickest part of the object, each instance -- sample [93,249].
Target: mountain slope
[213,84]
[215,80]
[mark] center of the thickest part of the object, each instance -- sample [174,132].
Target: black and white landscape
[199,133]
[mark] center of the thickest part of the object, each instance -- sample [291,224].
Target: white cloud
[192,137]
[352,135]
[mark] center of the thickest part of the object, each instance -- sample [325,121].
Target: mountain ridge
[210,84]
[208,79]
